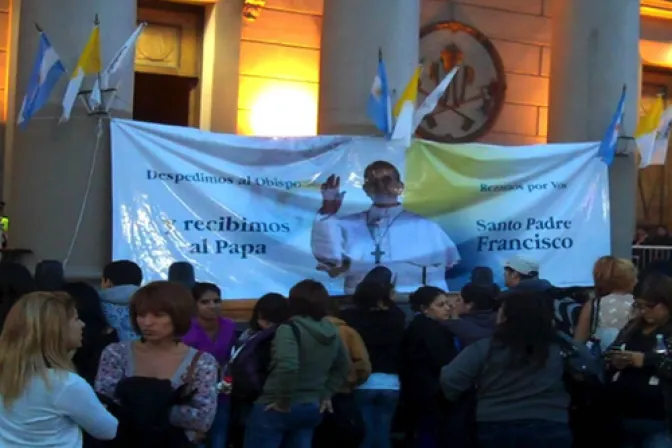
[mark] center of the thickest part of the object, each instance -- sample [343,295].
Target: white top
[615,311]
[51,415]
[407,243]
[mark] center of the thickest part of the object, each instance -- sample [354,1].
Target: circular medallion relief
[475,97]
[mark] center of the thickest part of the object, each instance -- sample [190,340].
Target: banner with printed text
[257,215]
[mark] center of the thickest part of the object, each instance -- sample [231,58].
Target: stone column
[352,33]
[594,52]
[221,61]
[47,165]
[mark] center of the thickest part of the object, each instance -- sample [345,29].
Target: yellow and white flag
[652,134]
[432,100]
[410,93]
[88,64]
[123,58]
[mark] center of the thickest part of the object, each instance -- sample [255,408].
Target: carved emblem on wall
[474,99]
[159,46]
[252,9]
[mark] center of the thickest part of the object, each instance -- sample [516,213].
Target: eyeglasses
[640,305]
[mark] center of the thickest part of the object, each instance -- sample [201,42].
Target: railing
[642,256]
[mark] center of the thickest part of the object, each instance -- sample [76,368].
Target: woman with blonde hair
[612,307]
[42,401]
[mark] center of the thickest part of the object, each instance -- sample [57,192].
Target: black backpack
[567,304]
[580,362]
[250,366]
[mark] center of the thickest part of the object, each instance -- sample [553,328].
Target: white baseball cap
[522,265]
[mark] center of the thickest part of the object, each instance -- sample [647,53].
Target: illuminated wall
[279,70]
[656,44]
[4,46]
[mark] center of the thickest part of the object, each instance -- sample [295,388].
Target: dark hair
[96,328]
[15,282]
[657,288]
[199,289]
[272,307]
[480,297]
[87,302]
[531,275]
[369,296]
[376,288]
[49,275]
[182,272]
[379,274]
[423,297]
[171,298]
[527,329]
[482,275]
[309,298]
[123,272]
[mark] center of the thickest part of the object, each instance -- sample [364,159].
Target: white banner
[256,215]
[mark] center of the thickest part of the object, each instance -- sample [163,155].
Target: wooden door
[172,45]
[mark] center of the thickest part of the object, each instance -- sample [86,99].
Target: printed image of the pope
[414,248]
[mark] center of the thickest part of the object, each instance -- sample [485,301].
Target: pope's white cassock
[414,248]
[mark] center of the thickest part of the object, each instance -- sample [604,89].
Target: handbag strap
[595,316]
[189,379]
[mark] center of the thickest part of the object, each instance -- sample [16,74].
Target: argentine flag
[608,146]
[47,70]
[379,107]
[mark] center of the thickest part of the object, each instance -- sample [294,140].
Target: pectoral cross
[378,253]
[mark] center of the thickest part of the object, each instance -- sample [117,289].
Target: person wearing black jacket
[381,325]
[473,316]
[97,334]
[639,373]
[427,346]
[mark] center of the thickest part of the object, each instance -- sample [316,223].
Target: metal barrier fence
[642,256]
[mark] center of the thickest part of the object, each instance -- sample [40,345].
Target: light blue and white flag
[47,70]
[379,107]
[609,143]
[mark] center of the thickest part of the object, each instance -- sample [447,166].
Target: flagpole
[623,92]
[39,28]
[101,107]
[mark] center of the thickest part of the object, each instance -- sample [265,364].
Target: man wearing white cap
[521,274]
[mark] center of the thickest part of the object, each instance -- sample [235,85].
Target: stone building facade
[564,60]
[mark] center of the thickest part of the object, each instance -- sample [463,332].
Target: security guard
[4,224]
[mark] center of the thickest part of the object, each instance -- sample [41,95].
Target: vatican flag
[432,100]
[410,93]
[652,134]
[88,64]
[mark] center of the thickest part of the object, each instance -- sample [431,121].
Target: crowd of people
[157,365]
[660,236]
